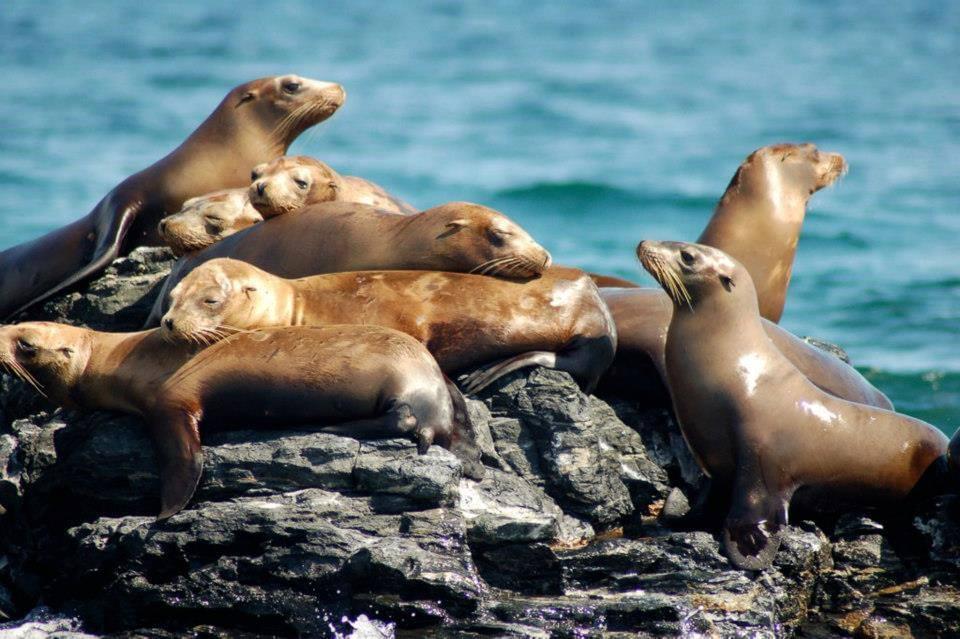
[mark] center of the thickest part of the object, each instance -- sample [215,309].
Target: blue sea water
[594,125]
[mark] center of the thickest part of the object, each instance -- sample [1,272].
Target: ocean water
[593,125]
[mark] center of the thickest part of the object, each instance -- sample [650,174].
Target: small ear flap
[727,282]
[249,289]
[453,227]
[66,350]
[246,97]
[333,185]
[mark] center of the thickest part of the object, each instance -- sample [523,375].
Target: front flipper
[109,240]
[486,375]
[751,532]
[177,440]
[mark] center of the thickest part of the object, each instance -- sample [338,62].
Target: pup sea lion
[359,379]
[207,219]
[254,123]
[292,182]
[639,370]
[556,320]
[347,236]
[755,422]
[759,217]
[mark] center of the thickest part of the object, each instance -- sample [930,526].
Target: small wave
[585,192]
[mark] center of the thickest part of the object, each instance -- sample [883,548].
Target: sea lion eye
[212,219]
[254,176]
[210,301]
[291,87]
[26,347]
[301,183]
[687,257]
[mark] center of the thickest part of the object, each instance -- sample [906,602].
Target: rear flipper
[399,419]
[585,358]
[462,439]
[177,440]
[751,532]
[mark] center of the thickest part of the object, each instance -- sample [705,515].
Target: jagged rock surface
[304,533]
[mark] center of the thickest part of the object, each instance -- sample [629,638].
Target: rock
[583,472]
[828,347]
[119,299]
[295,532]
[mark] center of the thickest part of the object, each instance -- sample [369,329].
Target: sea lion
[556,320]
[92,370]
[347,236]
[254,123]
[638,370]
[207,219]
[356,366]
[359,379]
[292,182]
[756,423]
[759,217]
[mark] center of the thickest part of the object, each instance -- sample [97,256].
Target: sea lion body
[356,379]
[760,215]
[292,182]
[638,371]
[255,122]
[207,219]
[557,319]
[756,423]
[346,236]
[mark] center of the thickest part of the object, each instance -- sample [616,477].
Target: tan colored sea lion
[381,377]
[292,182]
[254,123]
[357,380]
[207,219]
[557,320]
[755,422]
[759,217]
[347,236]
[639,371]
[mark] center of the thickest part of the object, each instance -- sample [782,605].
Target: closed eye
[301,183]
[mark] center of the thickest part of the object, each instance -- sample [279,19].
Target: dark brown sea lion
[347,236]
[759,217]
[380,376]
[359,380]
[639,372]
[556,320]
[292,182]
[254,123]
[756,423]
[207,219]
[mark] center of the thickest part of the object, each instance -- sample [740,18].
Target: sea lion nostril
[168,323]
[261,187]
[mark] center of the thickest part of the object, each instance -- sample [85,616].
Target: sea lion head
[792,170]
[50,357]
[691,273]
[286,105]
[221,297]
[289,183]
[477,239]
[207,219]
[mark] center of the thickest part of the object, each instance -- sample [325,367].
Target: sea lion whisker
[483,265]
[27,377]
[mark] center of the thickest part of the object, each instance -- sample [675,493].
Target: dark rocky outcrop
[298,533]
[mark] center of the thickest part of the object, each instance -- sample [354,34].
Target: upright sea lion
[639,370]
[207,219]
[759,217]
[292,182]
[254,123]
[756,423]
[347,236]
[359,380]
[556,320]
